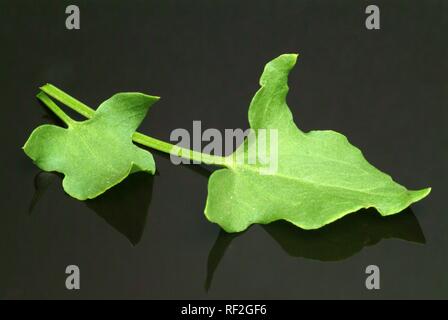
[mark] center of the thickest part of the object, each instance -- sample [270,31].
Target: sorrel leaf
[320,177]
[95,154]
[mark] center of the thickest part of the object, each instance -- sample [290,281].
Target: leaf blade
[321,177]
[98,153]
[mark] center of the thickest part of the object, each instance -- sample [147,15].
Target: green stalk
[137,137]
[55,108]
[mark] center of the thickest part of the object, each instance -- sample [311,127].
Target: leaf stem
[137,137]
[54,107]
[68,100]
[178,151]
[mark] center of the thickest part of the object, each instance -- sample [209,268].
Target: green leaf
[95,154]
[321,177]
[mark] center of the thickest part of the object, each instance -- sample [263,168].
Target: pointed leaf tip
[276,71]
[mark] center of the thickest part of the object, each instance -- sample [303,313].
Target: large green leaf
[95,154]
[320,178]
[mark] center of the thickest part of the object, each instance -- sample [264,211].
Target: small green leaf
[95,154]
[321,177]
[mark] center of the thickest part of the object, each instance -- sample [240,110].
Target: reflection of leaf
[337,241]
[96,154]
[41,183]
[124,206]
[346,237]
[320,176]
[216,253]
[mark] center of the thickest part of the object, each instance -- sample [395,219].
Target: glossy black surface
[386,90]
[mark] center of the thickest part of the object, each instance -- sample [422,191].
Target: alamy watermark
[73,20]
[236,146]
[73,280]
[373,18]
[373,279]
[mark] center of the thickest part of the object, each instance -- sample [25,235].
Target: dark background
[385,89]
